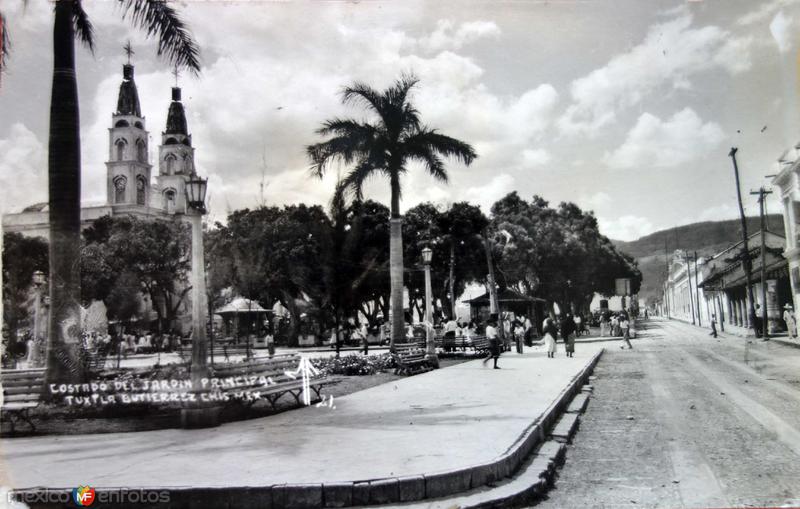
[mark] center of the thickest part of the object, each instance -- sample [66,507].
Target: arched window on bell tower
[120,149]
[169,200]
[170,160]
[141,151]
[119,189]
[140,191]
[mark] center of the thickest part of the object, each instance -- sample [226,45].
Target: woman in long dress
[550,334]
[791,324]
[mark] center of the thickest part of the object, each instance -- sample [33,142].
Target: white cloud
[598,200]
[627,227]
[764,12]
[23,169]
[653,142]
[486,195]
[782,32]
[448,36]
[670,55]
[535,157]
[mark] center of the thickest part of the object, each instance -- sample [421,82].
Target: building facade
[725,284]
[787,188]
[131,188]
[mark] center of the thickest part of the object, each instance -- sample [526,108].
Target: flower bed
[354,365]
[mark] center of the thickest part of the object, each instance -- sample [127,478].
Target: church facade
[130,186]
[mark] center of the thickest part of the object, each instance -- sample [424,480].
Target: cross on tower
[128,50]
[176,73]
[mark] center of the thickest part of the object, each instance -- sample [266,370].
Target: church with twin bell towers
[131,188]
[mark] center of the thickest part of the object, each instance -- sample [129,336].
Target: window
[120,149]
[141,151]
[119,189]
[170,160]
[187,163]
[122,123]
[140,191]
[169,201]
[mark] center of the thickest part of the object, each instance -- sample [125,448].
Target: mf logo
[83,496]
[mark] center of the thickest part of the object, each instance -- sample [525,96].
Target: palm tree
[385,147]
[156,18]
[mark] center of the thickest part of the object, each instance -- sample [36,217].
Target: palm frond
[358,176]
[430,140]
[363,93]
[398,93]
[84,30]
[158,18]
[5,43]
[432,162]
[342,148]
[348,127]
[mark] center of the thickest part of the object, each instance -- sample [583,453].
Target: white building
[131,189]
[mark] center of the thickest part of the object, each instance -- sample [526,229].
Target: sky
[627,108]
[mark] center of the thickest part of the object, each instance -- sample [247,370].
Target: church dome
[128,101]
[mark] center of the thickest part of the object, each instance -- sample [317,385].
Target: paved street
[685,420]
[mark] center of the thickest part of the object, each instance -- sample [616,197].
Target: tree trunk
[64,184]
[452,280]
[396,266]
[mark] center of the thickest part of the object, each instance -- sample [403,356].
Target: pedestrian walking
[550,334]
[494,340]
[567,327]
[791,322]
[519,334]
[625,326]
[713,326]
[604,323]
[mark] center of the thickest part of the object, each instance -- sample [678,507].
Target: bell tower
[128,169]
[175,156]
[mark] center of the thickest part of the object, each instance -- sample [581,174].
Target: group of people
[615,325]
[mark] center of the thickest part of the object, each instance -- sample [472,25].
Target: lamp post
[198,415]
[39,281]
[430,346]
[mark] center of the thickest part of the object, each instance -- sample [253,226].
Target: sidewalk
[450,418]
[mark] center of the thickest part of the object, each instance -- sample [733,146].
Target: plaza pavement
[454,417]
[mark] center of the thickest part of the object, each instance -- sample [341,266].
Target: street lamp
[39,281]
[200,415]
[430,346]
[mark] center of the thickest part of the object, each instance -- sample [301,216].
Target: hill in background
[707,238]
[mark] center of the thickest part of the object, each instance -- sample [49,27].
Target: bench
[409,359]
[95,361]
[481,344]
[265,378]
[22,391]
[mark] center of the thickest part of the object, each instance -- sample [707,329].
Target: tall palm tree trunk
[64,162]
[396,266]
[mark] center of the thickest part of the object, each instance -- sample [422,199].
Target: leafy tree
[462,226]
[156,253]
[385,147]
[157,18]
[22,256]
[558,254]
[273,253]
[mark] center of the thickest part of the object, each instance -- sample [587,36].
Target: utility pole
[746,262]
[689,282]
[762,195]
[666,279]
[697,290]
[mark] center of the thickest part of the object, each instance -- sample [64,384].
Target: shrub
[354,365]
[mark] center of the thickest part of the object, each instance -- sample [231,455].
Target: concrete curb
[363,492]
